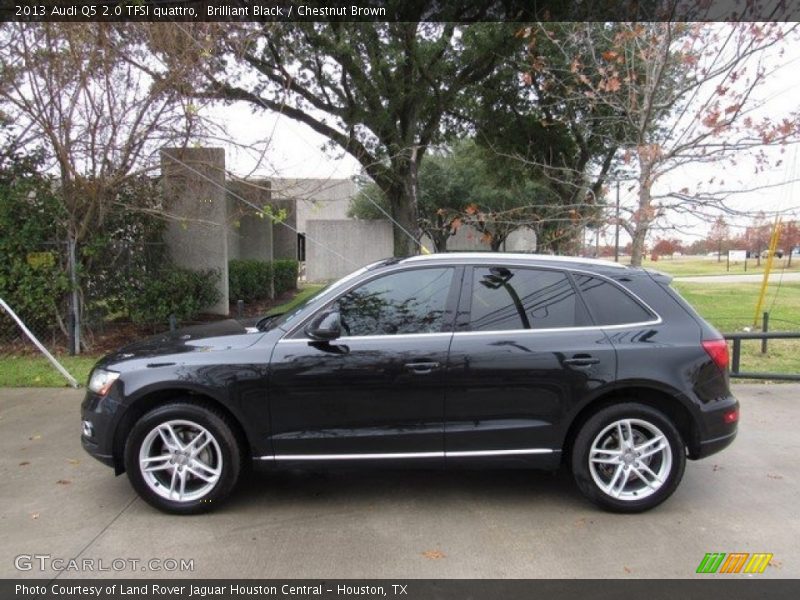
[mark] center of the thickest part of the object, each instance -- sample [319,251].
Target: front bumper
[98,420]
[93,450]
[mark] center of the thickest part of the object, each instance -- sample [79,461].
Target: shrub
[32,277]
[249,279]
[175,291]
[285,275]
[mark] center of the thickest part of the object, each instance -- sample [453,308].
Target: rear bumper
[715,433]
[709,447]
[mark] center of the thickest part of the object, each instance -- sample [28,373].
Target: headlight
[100,381]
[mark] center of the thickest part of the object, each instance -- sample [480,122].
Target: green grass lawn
[36,370]
[691,266]
[304,294]
[729,307]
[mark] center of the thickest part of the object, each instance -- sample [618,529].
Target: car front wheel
[183,458]
[628,458]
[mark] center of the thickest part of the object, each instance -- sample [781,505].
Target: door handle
[421,368]
[581,360]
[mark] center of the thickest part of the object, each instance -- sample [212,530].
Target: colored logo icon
[735,562]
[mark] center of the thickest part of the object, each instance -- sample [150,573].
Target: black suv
[446,360]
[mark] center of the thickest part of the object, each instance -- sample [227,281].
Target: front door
[377,392]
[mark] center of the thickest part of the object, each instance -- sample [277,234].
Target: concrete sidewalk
[57,501]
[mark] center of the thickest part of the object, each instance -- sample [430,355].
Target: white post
[75,336]
[72,381]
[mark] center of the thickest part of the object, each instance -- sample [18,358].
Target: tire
[621,480]
[183,458]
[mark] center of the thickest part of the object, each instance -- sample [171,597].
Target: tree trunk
[637,244]
[403,203]
[439,240]
[642,219]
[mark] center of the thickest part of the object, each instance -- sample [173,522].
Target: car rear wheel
[628,458]
[183,458]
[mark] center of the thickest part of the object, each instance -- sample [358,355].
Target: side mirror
[325,327]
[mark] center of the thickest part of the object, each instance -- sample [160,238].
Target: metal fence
[736,339]
[70,319]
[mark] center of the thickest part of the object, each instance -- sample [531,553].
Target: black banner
[398,10]
[408,589]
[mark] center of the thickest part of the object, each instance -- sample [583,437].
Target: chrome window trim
[345,339]
[403,455]
[562,329]
[495,261]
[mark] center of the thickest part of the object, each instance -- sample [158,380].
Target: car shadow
[421,486]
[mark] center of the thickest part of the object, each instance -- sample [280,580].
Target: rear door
[524,353]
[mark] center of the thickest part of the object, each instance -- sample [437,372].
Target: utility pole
[616,229]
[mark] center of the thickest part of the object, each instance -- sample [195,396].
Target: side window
[609,304]
[504,298]
[407,302]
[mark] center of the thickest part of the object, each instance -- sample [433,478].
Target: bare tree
[73,91]
[719,235]
[685,95]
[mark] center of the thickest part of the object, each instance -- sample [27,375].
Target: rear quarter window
[609,304]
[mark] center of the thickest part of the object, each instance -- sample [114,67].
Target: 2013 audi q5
[447,360]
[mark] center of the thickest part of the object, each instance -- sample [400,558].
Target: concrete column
[284,234]
[250,235]
[194,191]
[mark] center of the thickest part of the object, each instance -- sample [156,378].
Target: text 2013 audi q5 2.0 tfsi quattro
[443,360]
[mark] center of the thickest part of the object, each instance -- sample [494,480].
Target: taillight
[731,416]
[718,351]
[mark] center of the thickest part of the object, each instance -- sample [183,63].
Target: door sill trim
[404,455]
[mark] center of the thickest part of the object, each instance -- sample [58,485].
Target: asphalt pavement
[57,502]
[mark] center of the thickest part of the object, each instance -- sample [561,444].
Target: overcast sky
[295,150]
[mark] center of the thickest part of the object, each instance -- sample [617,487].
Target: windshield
[285,320]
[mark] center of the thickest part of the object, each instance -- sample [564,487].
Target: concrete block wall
[361,242]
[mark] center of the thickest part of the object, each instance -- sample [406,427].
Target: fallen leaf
[433,554]
[773,476]
[24,463]
[73,461]
[34,516]
[775,563]
[63,482]
[35,437]
[627,570]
